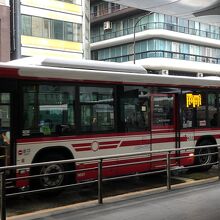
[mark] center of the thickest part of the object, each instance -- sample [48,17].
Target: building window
[68,31]
[26,25]
[37,26]
[77,32]
[161,48]
[52,29]
[46,28]
[57,30]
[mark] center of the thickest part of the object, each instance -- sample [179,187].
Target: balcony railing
[102,11]
[155,25]
[164,54]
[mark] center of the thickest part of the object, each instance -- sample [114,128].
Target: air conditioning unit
[107,25]
[164,72]
[199,74]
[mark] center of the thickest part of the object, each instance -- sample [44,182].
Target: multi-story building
[177,43]
[4,30]
[57,28]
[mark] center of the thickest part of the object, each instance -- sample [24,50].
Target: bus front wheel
[51,179]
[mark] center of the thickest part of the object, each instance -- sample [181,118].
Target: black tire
[206,159]
[53,180]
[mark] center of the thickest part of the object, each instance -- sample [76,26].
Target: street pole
[134,43]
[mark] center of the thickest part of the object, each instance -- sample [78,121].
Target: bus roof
[101,72]
[79,64]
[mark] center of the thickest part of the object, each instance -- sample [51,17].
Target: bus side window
[64,129]
[134,105]
[5,138]
[46,106]
[214,120]
[97,109]
[213,110]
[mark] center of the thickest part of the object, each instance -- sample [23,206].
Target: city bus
[54,109]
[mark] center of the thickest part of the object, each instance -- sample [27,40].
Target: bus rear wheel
[53,180]
[206,159]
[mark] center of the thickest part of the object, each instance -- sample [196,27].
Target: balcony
[105,11]
[155,25]
[164,54]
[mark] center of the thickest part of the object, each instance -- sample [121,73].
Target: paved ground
[191,203]
[32,203]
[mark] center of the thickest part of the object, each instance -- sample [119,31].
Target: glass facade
[154,21]
[159,48]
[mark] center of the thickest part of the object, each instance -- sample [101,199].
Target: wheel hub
[52,180]
[204,159]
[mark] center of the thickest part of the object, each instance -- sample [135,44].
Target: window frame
[77,35]
[113,87]
[49,83]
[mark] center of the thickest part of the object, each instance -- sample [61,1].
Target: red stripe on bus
[74,137]
[183,139]
[8,73]
[107,147]
[81,145]
[99,142]
[100,148]
[109,142]
[162,140]
[131,143]
[129,168]
[217,136]
[146,141]
[198,129]
[136,142]
[83,149]
[84,81]
[196,138]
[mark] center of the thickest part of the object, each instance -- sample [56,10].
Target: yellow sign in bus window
[193,100]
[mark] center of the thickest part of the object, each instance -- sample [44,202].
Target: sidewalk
[197,201]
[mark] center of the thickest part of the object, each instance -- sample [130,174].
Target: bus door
[5,128]
[163,127]
[189,103]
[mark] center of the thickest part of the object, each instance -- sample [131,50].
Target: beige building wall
[4,31]
[35,44]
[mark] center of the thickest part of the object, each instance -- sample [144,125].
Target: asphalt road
[191,203]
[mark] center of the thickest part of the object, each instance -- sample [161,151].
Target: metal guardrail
[168,167]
